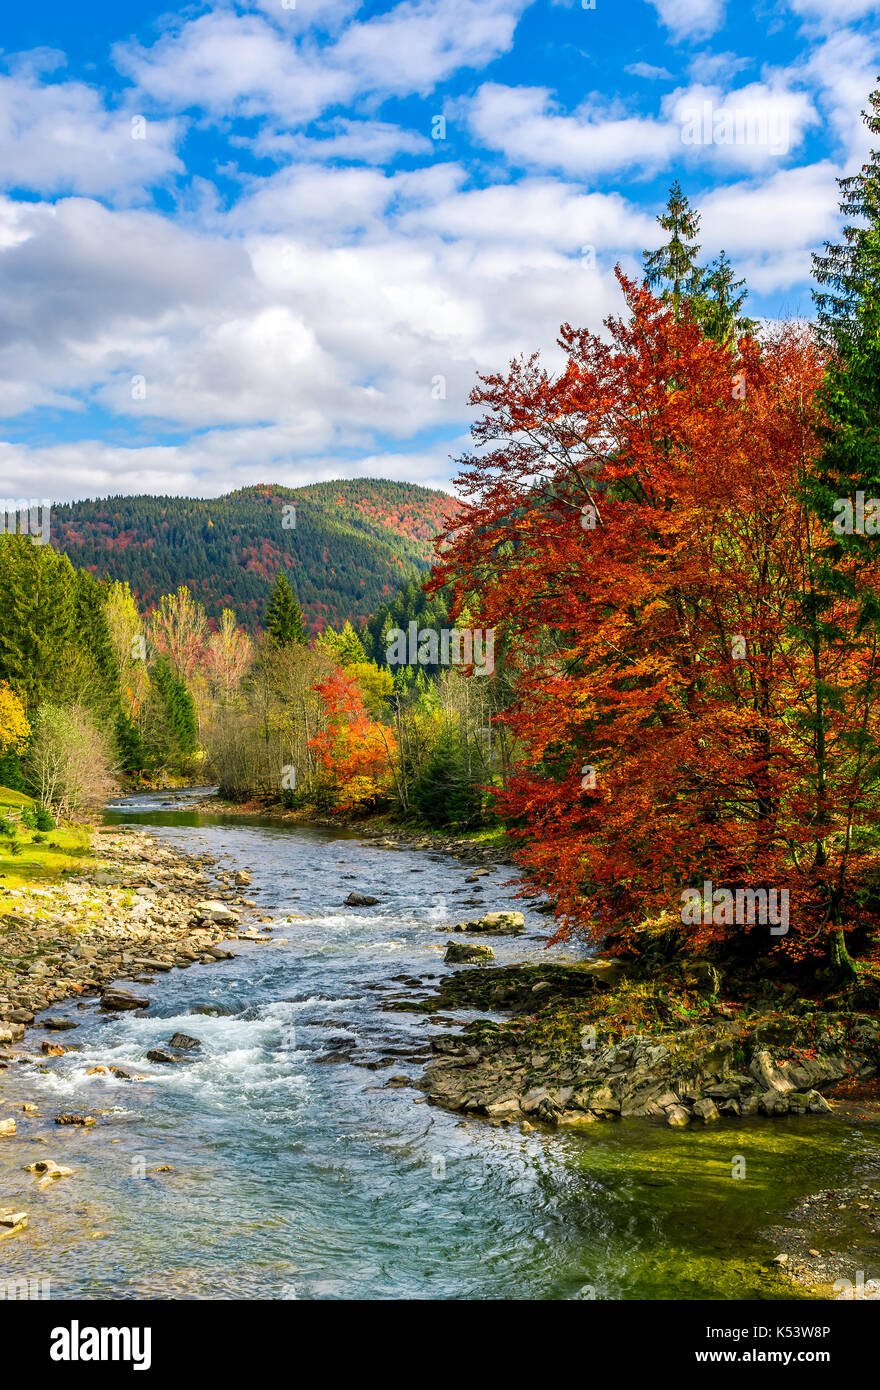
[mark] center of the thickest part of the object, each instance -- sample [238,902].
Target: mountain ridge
[347,546]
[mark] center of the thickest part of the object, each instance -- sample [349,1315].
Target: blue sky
[275,241]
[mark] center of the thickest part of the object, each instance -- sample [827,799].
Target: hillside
[353,543]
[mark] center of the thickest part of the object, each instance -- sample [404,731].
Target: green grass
[65,849]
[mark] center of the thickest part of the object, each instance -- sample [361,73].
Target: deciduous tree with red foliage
[353,751]
[687,708]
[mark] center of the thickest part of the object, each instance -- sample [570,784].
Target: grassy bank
[33,855]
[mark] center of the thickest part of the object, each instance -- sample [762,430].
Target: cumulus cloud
[750,126]
[240,64]
[60,137]
[690,19]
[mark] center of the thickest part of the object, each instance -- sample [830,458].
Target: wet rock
[161,1054]
[82,1121]
[458,952]
[183,1042]
[52,1049]
[242,878]
[49,1170]
[706,1110]
[120,1000]
[218,953]
[11,1221]
[494,924]
[60,1025]
[7,1128]
[677,1117]
[360,900]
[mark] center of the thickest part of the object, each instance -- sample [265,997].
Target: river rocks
[218,953]
[183,1042]
[360,900]
[7,1128]
[12,1221]
[677,1117]
[706,1110]
[211,910]
[80,1121]
[493,924]
[119,1001]
[459,952]
[49,1170]
[708,1072]
[161,1054]
[242,878]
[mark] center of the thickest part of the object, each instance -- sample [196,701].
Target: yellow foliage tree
[14,727]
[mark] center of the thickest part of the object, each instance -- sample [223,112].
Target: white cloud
[239,64]
[59,137]
[368,142]
[830,14]
[748,127]
[524,123]
[690,19]
[648,71]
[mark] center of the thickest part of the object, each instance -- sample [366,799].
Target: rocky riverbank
[593,1042]
[136,909]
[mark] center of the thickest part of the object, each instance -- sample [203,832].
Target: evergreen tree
[345,647]
[674,266]
[712,294]
[718,301]
[177,734]
[849,324]
[283,618]
[850,270]
[129,747]
[445,794]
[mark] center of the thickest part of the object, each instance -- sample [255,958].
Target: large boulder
[211,910]
[459,952]
[120,1000]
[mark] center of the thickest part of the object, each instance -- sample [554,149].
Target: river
[297,1172]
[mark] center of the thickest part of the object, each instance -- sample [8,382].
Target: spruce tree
[718,301]
[711,293]
[283,618]
[848,308]
[674,266]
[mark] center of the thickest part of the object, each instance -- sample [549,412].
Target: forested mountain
[351,545]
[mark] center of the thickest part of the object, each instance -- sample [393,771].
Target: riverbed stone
[460,952]
[677,1117]
[120,1000]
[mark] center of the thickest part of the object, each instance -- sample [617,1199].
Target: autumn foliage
[691,702]
[352,750]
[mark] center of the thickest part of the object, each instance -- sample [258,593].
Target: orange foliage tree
[353,751]
[688,707]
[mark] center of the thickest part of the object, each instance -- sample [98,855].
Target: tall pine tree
[283,618]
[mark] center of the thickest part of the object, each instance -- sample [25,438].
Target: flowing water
[298,1172]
